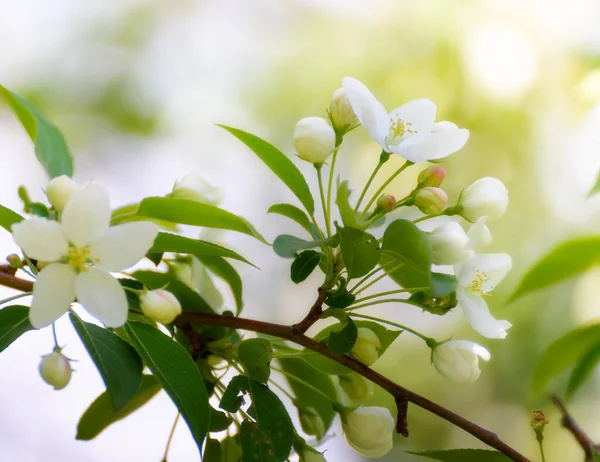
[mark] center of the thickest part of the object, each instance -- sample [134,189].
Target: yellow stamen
[79,258]
[481,278]
[400,129]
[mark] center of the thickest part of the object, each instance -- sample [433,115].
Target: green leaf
[101,413]
[128,213]
[307,399]
[8,218]
[190,299]
[563,353]
[14,322]
[304,265]
[293,213]
[343,202]
[406,255]
[189,212]
[118,363]
[463,455]
[596,188]
[166,242]
[212,451]
[177,373]
[231,451]
[442,284]
[568,259]
[329,366]
[50,145]
[38,209]
[360,251]
[341,340]
[279,164]
[225,271]
[219,421]
[583,369]
[386,336]
[288,246]
[256,354]
[341,300]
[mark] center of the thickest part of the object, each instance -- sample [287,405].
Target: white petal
[368,109]
[124,245]
[86,216]
[434,146]
[419,112]
[410,148]
[473,347]
[102,296]
[479,316]
[41,239]
[53,292]
[479,235]
[487,269]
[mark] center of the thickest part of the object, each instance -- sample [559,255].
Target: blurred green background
[137,86]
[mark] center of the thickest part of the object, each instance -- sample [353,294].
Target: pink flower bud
[386,203]
[431,201]
[432,176]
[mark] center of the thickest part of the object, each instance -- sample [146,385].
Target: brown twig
[10,280]
[584,441]
[313,315]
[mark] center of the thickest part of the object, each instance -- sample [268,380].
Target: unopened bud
[386,203]
[196,188]
[369,430]
[342,115]
[486,197]
[55,369]
[314,139]
[213,360]
[432,176]
[538,423]
[431,200]
[311,455]
[60,190]
[14,260]
[367,346]
[311,422]
[160,306]
[356,387]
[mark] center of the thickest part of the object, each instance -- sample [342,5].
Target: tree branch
[313,315]
[584,441]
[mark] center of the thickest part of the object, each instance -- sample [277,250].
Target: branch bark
[313,315]
[584,441]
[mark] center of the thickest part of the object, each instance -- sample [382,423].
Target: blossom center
[479,281]
[399,130]
[80,258]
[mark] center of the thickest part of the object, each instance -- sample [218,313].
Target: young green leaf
[212,451]
[14,322]
[176,371]
[304,265]
[360,251]
[341,340]
[50,145]
[406,255]
[101,413]
[166,242]
[293,213]
[219,421]
[386,336]
[8,218]
[221,268]
[189,212]
[288,246]
[128,213]
[463,455]
[343,202]
[231,450]
[341,300]
[568,259]
[583,369]
[279,164]
[442,284]
[255,354]
[118,363]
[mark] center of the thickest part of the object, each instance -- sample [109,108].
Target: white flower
[369,430]
[485,197]
[409,131]
[81,251]
[342,116]
[55,369]
[458,360]
[195,187]
[160,305]
[448,244]
[60,190]
[314,139]
[367,346]
[479,235]
[476,277]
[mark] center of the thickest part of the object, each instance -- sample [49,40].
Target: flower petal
[432,147]
[473,347]
[419,112]
[86,216]
[368,109]
[102,296]
[487,269]
[479,316]
[479,235]
[53,292]
[41,239]
[124,245]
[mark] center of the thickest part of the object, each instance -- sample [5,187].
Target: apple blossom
[369,430]
[60,190]
[160,305]
[448,244]
[485,197]
[367,346]
[55,369]
[458,360]
[195,187]
[314,139]
[80,253]
[341,114]
[409,131]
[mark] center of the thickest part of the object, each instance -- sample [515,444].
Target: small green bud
[538,423]
[160,305]
[311,422]
[60,190]
[431,200]
[55,369]
[432,176]
[14,260]
[356,387]
[367,346]
[386,203]
[341,113]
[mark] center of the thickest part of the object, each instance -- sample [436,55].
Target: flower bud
[311,455]
[386,203]
[356,387]
[160,306]
[485,197]
[341,113]
[458,360]
[432,176]
[314,139]
[369,430]
[431,200]
[196,188]
[55,369]
[448,244]
[14,260]
[311,422]
[367,346]
[60,190]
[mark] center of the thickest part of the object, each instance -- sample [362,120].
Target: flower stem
[282,390]
[391,292]
[319,168]
[330,183]
[427,217]
[427,340]
[406,164]
[15,297]
[164,459]
[379,302]
[542,450]
[363,280]
[54,335]
[382,160]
